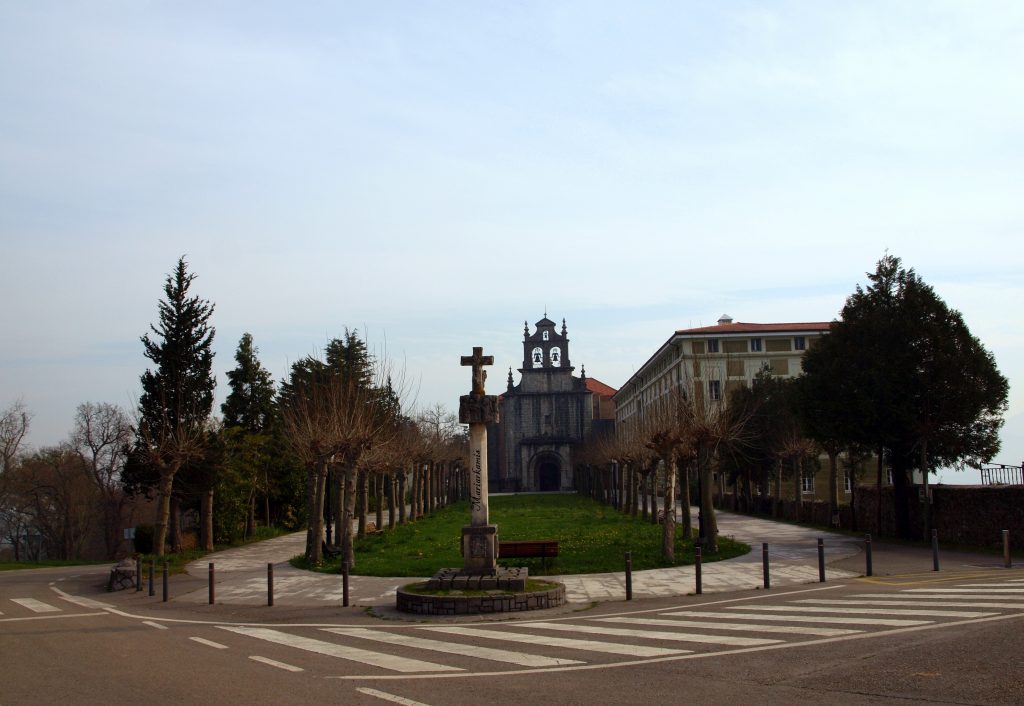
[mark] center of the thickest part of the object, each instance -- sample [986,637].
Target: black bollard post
[867,553]
[821,560]
[764,565]
[1006,549]
[696,565]
[211,584]
[270,584]
[935,550]
[167,573]
[138,573]
[344,583]
[152,571]
[629,576]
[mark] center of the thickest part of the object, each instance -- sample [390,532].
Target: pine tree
[250,404]
[177,394]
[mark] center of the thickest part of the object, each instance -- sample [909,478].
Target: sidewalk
[241,573]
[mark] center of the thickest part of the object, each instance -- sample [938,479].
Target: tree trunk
[707,509]
[668,523]
[683,470]
[316,521]
[174,525]
[798,496]
[347,515]
[391,500]
[637,492]
[250,516]
[643,496]
[378,501]
[926,504]
[833,486]
[163,513]
[206,521]
[402,519]
[878,490]
[362,506]
[652,491]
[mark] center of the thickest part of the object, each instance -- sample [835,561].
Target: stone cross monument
[477,409]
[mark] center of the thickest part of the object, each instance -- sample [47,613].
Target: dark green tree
[907,379]
[177,393]
[250,404]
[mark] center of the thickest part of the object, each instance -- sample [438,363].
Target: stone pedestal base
[510,579]
[479,549]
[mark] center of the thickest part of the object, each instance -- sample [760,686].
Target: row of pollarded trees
[656,454]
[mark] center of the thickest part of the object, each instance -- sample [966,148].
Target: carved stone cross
[478,360]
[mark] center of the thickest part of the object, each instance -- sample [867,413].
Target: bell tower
[546,349]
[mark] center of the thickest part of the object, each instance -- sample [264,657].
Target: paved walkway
[242,572]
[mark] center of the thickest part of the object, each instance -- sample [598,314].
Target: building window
[799,343]
[712,345]
[755,345]
[714,389]
[888,476]
[847,483]
[807,483]
[544,335]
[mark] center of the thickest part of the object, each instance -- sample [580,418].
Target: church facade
[546,417]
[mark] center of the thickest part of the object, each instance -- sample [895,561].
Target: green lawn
[44,563]
[593,538]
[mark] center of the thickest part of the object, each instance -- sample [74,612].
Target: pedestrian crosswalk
[767,622]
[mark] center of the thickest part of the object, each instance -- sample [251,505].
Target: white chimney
[724,319]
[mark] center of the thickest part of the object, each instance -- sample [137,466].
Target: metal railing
[1001,474]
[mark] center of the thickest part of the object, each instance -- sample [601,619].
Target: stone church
[545,417]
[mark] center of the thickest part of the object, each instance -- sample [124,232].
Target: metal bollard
[696,565]
[152,571]
[629,576]
[764,565]
[211,584]
[138,573]
[1006,549]
[344,584]
[167,573]
[867,553]
[935,550]
[270,584]
[821,560]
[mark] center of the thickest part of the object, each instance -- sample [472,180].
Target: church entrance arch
[549,472]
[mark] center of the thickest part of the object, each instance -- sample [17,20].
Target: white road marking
[588,645]
[389,697]
[62,616]
[785,629]
[376,659]
[866,611]
[919,597]
[36,606]
[963,590]
[208,643]
[658,635]
[798,618]
[151,624]
[455,648]
[275,663]
[987,585]
[915,601]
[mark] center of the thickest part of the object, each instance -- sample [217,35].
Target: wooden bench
[528,549]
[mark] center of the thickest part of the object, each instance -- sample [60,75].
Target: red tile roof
[740,327]
[599,388]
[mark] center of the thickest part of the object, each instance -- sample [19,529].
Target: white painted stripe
[782,629]
[920,597]
[275,663]
[62,616]
[81,601]
[866,611]
[588,645]
[151,624]
[659,635]
[799,618]
[455,648]
[376,659]
[917,602]
[963,590]
[208,643]
[389,697]
[1001,584]
[36,606]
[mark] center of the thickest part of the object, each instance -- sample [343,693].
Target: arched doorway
[549,474]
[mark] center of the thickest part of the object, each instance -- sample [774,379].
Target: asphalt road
[950,637]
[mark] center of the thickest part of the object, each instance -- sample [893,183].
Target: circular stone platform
[478,601]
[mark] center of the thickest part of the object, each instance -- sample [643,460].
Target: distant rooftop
[740,327]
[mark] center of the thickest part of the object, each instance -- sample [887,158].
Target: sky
[435,173]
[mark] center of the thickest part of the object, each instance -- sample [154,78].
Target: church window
[545,335]
[556,357]
[538,357]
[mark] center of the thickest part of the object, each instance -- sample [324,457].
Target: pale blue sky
[439,172]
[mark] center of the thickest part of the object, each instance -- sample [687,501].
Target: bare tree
[101,437]
[14,424]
